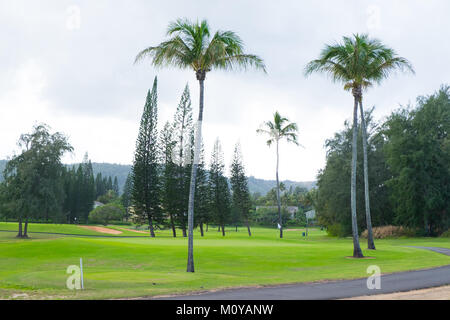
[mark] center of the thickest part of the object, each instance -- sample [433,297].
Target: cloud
[70,64]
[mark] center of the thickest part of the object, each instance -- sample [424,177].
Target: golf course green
[121,266]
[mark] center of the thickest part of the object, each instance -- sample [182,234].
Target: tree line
[409,170]
[161,175]
[38,187]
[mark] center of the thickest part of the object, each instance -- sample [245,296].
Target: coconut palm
[358,62]
[279,128]
[191,46]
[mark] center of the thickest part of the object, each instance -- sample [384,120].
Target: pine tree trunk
[150,225]
[223,230]
[370,242]
[357,253]
[278,198]
[248,227]
[174,232]
[25,230]
[19,234]
[201,229]
[183,228]
[198,135]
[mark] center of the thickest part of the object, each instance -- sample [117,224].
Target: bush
[446,234]
[389,232]
[106,213]
[336,230]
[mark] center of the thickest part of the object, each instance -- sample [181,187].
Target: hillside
[121,171]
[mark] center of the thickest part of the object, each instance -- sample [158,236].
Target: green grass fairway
[131,267]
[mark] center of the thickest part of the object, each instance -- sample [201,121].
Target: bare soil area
[102,230]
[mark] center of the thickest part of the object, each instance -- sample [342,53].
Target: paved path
[395,282]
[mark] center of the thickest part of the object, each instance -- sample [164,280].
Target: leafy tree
[279,128]
[108,197]
[333,188]
[239,186]
[191,46]
[33,178]
[219,192]
[146,185]
[107,213]
[357,62]
[418,154]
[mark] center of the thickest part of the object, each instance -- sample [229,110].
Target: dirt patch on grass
[439,293]
[102,230]
[132,230]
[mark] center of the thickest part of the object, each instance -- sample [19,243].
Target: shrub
[336,230]
[105,214]
[389,232]
[446,234]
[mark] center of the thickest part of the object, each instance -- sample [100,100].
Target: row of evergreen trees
[82,189]
[38,187]
[160,179]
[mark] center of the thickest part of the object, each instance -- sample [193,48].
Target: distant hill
[111,169]
[121,172]
[263,186]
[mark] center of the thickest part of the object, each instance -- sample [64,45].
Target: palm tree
[358,62]
[190,46]
[278,129]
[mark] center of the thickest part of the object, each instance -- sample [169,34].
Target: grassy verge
[132,267]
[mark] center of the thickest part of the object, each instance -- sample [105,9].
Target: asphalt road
[395,282]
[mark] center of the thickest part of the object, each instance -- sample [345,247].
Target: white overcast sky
[70,64]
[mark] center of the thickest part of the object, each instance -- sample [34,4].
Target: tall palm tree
[279,128]
[191,46]
[358,62]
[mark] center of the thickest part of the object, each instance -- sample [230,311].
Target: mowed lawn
[117,267]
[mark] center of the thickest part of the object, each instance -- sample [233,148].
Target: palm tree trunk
[357,253]
[198,135]
[370,242]
[278,198]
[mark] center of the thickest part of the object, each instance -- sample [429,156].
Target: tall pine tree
[146,186]
[202,209]
[239,186]
[183,133]
[170,196]
[219,192]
